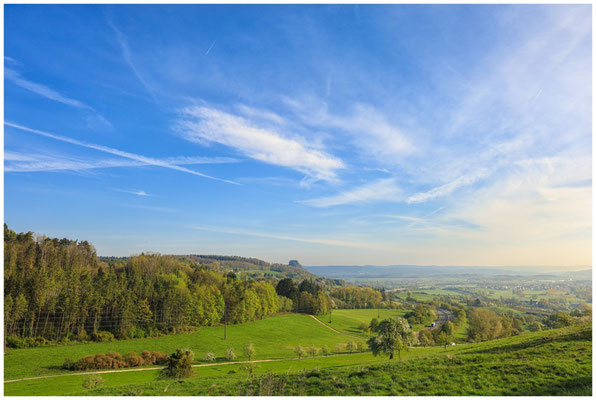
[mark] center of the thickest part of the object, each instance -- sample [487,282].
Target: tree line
[58,289]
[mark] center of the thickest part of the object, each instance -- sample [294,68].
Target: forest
[58,289]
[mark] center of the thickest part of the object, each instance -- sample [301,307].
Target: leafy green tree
[230,354]
[393,336]
[425,337]
[374,325]
[351,346]
[250,351]
[179,364]
[360,346]
[483,324]
[443,339]
[559,320]
[300,351]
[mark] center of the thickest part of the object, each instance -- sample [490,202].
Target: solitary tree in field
[351,346]
[394,335]
[179,364]
[313,351]
[249,351]
[443,339]
[300,351]
[230,354]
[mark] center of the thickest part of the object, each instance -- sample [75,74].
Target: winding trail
[113,371]
[333,329]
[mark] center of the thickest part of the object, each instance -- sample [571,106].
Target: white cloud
[126,54]
[42,90]
[19,162]
[448,188]
[124,154]
[208,125]
[379,191]
[141,193]
[51,94]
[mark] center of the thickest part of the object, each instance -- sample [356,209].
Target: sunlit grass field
[557,362]
[349,320]
[273,337]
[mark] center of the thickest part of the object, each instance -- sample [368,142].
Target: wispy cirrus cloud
[131,156]
[42,90]
[20,162]
[127,56]
[448,188]
[140,193]
[49,93]
[379,191]
[204,125]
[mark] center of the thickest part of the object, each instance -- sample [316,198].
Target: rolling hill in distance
[417,271]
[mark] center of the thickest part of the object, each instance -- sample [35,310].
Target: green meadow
[273,337]
[554,362]
[557,362]
[348,321]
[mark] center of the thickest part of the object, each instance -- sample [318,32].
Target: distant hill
[249,267]
[349,272]
[259,269]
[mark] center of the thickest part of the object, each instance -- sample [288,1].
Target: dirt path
[335,330]
[161,367]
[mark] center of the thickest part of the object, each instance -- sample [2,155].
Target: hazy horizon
[331,134]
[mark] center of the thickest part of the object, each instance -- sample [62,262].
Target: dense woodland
[58,289]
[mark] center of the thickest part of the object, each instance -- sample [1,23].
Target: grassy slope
[557,362]
[348,320]
[273,337]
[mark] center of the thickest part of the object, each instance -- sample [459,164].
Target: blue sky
[343,134]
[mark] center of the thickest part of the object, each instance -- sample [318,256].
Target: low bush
[93,381]
[103,336]
[16,342]
[113,360]
[210,356]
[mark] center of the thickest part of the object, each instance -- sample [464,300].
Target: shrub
[133,360]
[325,350]
[93,381]
[230,354]
[69,364]
[16,342]
[339,347]
[210,356]
[360,346]
[179,364]
[103,336]
[160,358]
